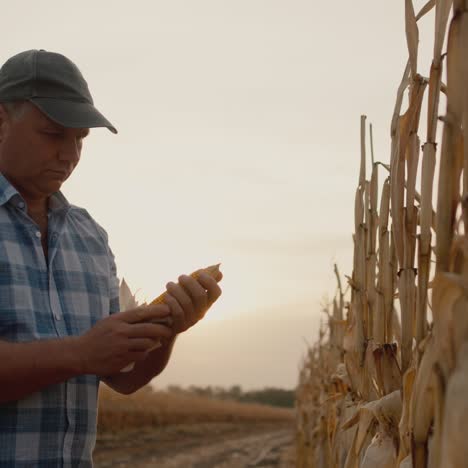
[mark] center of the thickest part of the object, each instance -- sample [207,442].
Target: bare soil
[210,445]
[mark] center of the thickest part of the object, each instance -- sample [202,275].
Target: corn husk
[454,449]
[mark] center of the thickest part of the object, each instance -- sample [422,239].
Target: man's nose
[70,150]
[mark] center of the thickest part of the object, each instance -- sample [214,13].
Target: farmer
[61,331]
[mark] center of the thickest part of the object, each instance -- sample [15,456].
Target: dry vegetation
[387,383]
[148,408]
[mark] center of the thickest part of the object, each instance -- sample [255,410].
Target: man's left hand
[190,299]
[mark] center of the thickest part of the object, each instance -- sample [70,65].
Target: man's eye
[52,132]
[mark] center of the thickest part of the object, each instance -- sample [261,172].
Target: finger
[168,321]
[144,313]
[212,287]
[178,314]
[196,292]
[149,330]
[142,344]
[137,356]
[214,272]
[218,275]
[182,297]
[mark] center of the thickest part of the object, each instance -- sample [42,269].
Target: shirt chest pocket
[81,281]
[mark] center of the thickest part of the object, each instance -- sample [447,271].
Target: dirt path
[199,446]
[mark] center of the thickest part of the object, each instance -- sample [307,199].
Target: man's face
[36,154]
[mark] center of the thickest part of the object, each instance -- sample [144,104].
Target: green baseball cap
[54,84]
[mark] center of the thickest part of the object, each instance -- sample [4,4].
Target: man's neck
[36,206]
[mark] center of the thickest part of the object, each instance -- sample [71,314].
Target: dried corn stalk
[375,393]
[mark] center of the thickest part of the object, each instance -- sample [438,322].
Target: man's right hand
[122,338]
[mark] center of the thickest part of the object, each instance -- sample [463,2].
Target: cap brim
[72,114]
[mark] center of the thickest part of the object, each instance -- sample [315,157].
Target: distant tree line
[267,396]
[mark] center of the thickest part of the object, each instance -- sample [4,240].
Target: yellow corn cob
[212,270]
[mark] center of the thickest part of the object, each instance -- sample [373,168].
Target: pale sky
[238,143]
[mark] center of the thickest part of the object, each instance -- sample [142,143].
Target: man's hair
[14,109]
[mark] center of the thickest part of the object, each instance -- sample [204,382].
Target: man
[61,331]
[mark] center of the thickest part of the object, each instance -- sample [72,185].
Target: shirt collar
[57,200]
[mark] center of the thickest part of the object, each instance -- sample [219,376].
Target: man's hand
[187,302]
[190,298]
[122,338]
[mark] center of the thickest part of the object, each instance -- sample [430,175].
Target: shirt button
[38,234]
[21,205]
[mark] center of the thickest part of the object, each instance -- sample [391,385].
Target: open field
[159,408]
[170,430]
[200,445]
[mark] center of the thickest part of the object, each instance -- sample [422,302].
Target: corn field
[386,385]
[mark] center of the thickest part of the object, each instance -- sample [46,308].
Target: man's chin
[53,185]
[55,180]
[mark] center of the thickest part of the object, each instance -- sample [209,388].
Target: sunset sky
[238,143]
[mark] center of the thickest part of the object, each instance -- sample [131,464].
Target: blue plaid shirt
[40,300]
